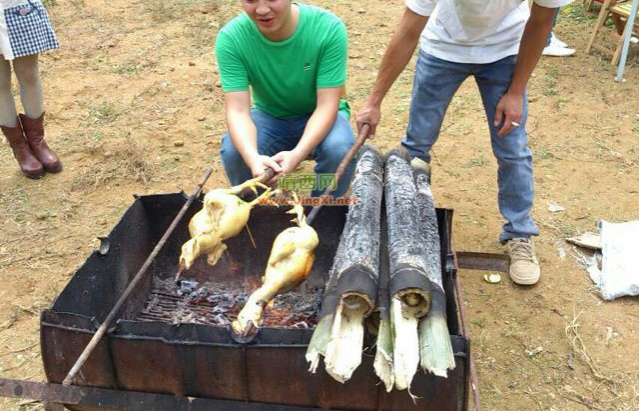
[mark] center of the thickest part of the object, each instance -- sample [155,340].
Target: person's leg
[514,174]
[554,46]
[12,129]
[435,83]
[28,74]
[8,113]
[554,21]
[273,135]
[330,152]
[514,158]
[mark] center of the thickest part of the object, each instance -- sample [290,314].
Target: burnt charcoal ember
[219,304]
[187,287]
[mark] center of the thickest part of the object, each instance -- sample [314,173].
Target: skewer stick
[341,169]
[68,380]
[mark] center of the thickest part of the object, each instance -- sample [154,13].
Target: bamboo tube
[436,350]
[409,285]
[352,288]
[383,363]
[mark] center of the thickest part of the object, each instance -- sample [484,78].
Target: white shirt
[474,31]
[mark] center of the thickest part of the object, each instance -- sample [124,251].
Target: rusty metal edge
[474,382]
[469,260]
[126,400]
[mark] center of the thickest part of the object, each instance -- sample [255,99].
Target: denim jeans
[436,81]
[555,13]
[275,135]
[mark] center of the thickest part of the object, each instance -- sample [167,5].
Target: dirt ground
[134,107]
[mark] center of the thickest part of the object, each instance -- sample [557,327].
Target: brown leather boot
[29,164]
[34,132]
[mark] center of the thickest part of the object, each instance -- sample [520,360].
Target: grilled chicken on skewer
[224,216]
[289,264]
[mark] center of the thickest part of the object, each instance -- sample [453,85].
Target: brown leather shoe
[34,132]
[29,164]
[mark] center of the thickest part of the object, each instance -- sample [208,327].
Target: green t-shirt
[284,75]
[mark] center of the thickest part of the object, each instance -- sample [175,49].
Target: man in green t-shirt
[293,57]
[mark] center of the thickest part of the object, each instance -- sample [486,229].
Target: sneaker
[422,165]
[553,49]
[524,266]
[556,40]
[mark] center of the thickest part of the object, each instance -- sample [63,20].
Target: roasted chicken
[223,216]
[288,266]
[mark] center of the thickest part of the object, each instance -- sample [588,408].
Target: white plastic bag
[619,273]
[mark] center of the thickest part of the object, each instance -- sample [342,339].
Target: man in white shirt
[499,43]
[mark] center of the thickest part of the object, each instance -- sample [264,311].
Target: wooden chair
[589,3]
[619,12]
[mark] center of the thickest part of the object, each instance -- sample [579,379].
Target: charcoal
[219,304]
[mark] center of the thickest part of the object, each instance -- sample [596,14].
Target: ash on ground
[219,304]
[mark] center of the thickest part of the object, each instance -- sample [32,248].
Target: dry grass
[610,392]
[117,161]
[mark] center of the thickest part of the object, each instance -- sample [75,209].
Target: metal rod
[110,399]
[341,169]
[103,328]
[626,40]
[470,260]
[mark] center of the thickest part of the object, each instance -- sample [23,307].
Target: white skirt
[25,29]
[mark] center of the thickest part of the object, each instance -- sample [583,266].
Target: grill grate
[219,304]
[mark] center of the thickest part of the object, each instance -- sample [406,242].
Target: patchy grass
[577,13]
[475,162]
[162,11]
[118,161]
[543,154]
[102,113]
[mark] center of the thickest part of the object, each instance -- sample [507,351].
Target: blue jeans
[275,135]
[436,81]
[554,21]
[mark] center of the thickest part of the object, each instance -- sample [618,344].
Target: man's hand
[369,114]
[397,55]
[288,160]
[260,163]
[509,113]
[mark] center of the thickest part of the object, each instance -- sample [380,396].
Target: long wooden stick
[68,380]
[341,169]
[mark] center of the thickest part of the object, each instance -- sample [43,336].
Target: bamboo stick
[68,380]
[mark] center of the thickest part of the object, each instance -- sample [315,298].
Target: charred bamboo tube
[352,288]
[409,285]
[383,363]
[436,350]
